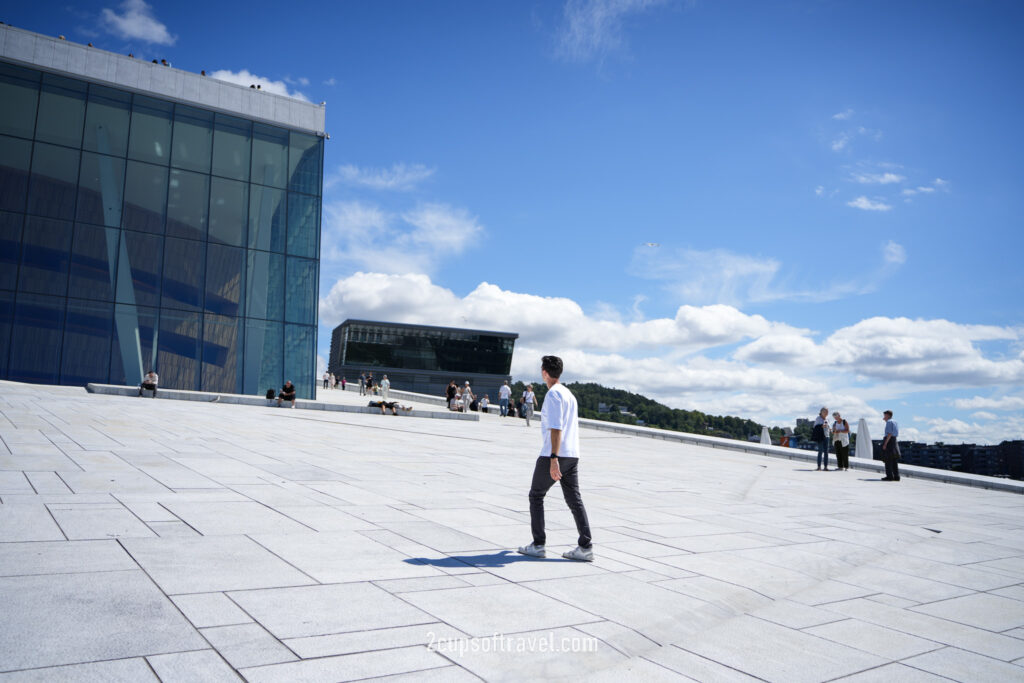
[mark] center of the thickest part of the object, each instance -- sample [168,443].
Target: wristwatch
[554,455]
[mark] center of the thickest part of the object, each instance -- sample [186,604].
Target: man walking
[558,461]
[891,449]
[504,394]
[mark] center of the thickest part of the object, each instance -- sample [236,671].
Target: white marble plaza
[183,540]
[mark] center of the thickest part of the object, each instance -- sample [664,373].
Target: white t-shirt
[504,391]
[560,412]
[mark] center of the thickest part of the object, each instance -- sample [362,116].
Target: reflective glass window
[100,189]
[86,354]
[150,138]
[222,354]
[6,318]
[145,197]
[303,224]
[14,161]
[266,218]
[106,121]
[300,305]
[229,208]
[138,268]
[224,270]
[53,184]
[269,155]
[188,197]
[35,339]
[178,350]
[183,274]
[264,356]
[304,163]
[61,111]
[133,344]
[264,290]
[192,139]
[232,144]
[45,255]
[19,91]
[10,251]
[298,358]
[93,262]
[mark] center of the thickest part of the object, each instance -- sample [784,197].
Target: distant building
[423,358]
[1003,460]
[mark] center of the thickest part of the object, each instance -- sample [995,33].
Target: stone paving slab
[369,545]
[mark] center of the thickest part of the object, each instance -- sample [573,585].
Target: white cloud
[244,77]
[399,177]
[331,81]
[939,182]
[843,115]
[894,253]
[877,178]
[356,234]
[984,415]
[866,204]
[819,190]
[136,22]
[923,189]
[840,143]
[592,29]
[1001,403]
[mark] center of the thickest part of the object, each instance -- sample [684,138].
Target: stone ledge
[241,399]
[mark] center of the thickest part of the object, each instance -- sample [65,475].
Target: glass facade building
[140,231]
[422,358]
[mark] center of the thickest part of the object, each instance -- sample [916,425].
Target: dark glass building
[422,358]
[153,218]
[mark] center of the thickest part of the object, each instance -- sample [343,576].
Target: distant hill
[652,414]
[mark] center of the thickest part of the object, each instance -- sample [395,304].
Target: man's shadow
[502,558]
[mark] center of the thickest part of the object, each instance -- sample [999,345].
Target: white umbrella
[766,438]
[864,448]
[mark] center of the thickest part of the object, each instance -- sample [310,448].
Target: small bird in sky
[651,244]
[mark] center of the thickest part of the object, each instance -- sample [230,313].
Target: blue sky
[832,188]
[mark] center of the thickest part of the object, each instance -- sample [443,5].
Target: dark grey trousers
[570,482]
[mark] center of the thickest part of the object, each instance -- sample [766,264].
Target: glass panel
[264,356]
[133,348]
[100,188]
[264,288]
[53,183]
[224,279]
[231,145]
[10,251]
[6,317]
[106,121]
[14,159]
[86,356]
[138,268]
[187,203]
[298,358]
[193,137]
[178,350]
[145,197]
[266,218]
[303,224]
[19,91]
[93,261]
[229,205]
[45,254]
[222,347]
[301,291]
[304,163]
[61,111]
[35,339]
[183,274]
[269,155]
[151,130]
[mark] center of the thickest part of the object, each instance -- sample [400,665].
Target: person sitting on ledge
[287,394]
[393,406]
[149,382]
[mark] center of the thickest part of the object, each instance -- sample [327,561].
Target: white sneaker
[533,550]
[581,554]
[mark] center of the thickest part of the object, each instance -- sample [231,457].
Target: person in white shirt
[484,402]
[841,441]
[558,461]
[467,398]
[149,382]
[504,394]
[529,403]
[385,387]
[821,436]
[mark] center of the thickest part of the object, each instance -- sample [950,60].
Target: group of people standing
[332,382]
[524,407]
[368,385]
[838,434]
